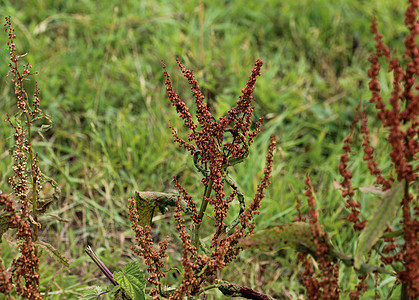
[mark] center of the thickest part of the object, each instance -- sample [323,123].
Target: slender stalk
[234,290]
[100,265]
[364,268]
[34,182]
[33,177]
[204,289]
[202,209]
[404,295]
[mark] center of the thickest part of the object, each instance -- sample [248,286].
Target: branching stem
[34,183]
[202,210]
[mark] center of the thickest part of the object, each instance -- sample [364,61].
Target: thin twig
[100,265]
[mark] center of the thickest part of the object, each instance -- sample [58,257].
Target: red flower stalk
[209,141]
[215,146]
[191,260]
[145,247]
[399,115]
[26,178]
[325,284]
[369,154]
[13,219]
[402,122]
[253,209]
[347,189]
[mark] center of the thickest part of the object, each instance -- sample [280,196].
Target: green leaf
[54,253]
[148,202]
[120,294]
[296,235]
[378,222]
[91,293]
[132,280]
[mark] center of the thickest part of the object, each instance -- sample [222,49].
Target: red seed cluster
[360,288]
[402,122]
[209,139]
[215,145]
[323,284]
[346,184]
[399,116]
[25,181]
[153,258]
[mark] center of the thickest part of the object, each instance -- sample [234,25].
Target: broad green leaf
[54,253]
[296,235]
[132,280]
[149,202]
[378,222]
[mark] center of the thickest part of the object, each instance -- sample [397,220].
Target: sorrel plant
[216,146]
[21,209]
[213,155]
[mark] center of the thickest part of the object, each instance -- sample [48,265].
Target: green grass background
[100,75]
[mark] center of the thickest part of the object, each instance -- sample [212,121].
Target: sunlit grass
[101,80]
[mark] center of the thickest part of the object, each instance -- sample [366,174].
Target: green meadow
[99,67]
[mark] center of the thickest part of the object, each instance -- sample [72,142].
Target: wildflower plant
[395,188]
[399,117]
[216,146]
[21,209]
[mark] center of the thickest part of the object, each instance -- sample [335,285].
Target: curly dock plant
[395,189]
[216,146]
[20,210]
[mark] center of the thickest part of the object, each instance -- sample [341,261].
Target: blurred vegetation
[100,75]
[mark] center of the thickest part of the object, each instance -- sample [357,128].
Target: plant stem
[404,295]
[33,178]
[100,265]
[34,182]
[235,290]
[202,209]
